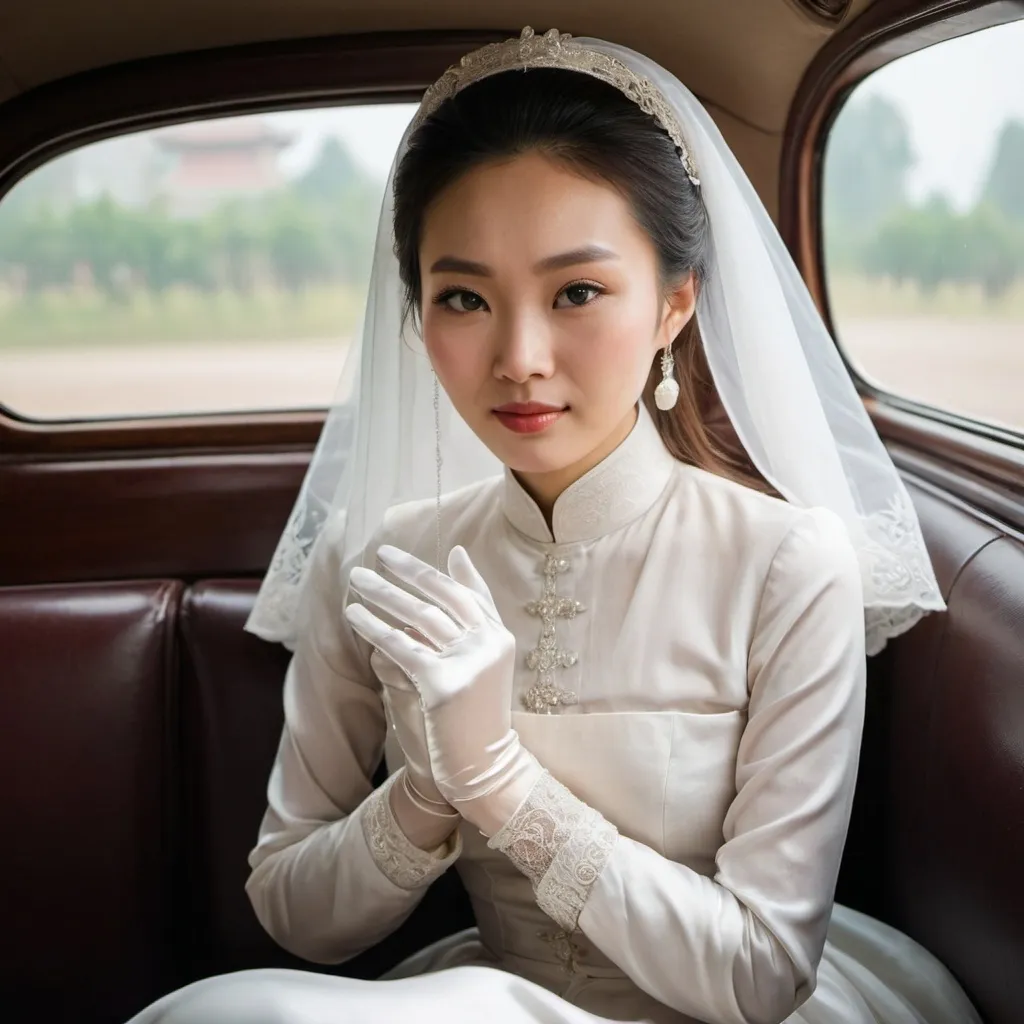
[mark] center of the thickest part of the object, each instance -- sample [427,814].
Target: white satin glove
[402,704]
[462,666]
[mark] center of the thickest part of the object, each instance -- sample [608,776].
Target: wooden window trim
[885,32]
[979,463]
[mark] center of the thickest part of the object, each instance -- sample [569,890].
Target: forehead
[529,205]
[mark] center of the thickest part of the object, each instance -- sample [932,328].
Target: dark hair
[597,131]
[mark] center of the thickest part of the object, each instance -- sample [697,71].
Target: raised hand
[406,716]
[461,662]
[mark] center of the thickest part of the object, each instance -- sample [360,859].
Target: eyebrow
[572,258]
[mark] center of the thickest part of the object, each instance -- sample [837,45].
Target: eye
[460,300]
[579,294]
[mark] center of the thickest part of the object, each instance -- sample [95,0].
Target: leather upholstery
[155,737]
[937,838]
[955,842]
[232,694]
[231,727]
[86,701]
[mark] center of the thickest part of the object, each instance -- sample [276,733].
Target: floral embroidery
[561,844]
[405,865]
[899,583]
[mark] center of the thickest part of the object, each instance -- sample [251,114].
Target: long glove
[402,704]
[462,667]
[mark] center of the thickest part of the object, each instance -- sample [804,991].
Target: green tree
[297,243]
[933,244]
[993,249]
[1004,187]
[36,241]
[346,200]
[319,228]
[919,244]
[238,240]
[108,239]
[330,176]
[866,163]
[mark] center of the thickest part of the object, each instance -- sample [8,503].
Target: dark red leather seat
[232,686]
[89,763]
[230,729]
[954,855]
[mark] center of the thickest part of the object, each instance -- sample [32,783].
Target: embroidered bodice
[689,672]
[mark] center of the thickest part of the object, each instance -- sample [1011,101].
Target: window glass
[208,267]
[924,226]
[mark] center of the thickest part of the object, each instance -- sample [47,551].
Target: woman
[630,710]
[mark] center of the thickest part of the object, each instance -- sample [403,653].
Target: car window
[217,266]
[923,220]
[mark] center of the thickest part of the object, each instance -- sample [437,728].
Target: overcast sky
[955,95]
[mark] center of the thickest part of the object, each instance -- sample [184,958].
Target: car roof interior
[701,41]
[134,706]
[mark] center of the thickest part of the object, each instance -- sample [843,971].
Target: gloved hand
[462,666]
[402,704]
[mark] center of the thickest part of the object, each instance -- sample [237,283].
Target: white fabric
[780,377]
[720,678]
[561,844]
[402,710]
[400,862]
[462,670]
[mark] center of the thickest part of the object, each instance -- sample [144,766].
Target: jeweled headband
[557,49]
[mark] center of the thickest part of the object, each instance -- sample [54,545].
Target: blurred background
[223,265]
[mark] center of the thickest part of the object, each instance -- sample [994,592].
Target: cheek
[457,352]
[615,352]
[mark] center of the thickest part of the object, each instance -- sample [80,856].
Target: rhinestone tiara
[556,49]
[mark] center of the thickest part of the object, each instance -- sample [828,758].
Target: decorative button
[547,657]
[565,948]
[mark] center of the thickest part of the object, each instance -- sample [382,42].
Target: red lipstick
[528,417]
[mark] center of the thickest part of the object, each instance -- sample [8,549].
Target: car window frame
[884,34]
[40,125]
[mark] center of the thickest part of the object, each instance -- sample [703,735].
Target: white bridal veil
[777,371]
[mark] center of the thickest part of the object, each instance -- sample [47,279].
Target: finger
[425,618]
[417,635]
[448,593]
[389,674]
[408,654]
[462,570]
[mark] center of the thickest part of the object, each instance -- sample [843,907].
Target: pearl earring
[666,394]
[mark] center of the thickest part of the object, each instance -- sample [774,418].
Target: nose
[523,349]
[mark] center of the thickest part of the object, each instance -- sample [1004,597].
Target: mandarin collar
[619,489]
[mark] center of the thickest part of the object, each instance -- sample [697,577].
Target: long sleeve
[332,873]
[741,946]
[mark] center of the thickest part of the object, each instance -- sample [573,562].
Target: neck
[545,488]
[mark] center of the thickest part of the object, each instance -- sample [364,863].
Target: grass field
[86,317]
[860,297]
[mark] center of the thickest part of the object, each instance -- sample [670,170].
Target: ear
[680,305]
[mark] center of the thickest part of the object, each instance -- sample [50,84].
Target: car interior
[140,722]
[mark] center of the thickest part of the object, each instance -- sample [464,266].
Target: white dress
[712,638]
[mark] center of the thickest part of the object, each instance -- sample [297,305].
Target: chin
[531,453]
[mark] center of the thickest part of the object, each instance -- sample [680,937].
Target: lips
[528,417]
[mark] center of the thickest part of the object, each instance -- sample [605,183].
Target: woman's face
[542,313]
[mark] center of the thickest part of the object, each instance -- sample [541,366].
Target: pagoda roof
[223,133]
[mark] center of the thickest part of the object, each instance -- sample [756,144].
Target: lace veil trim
[899,582]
